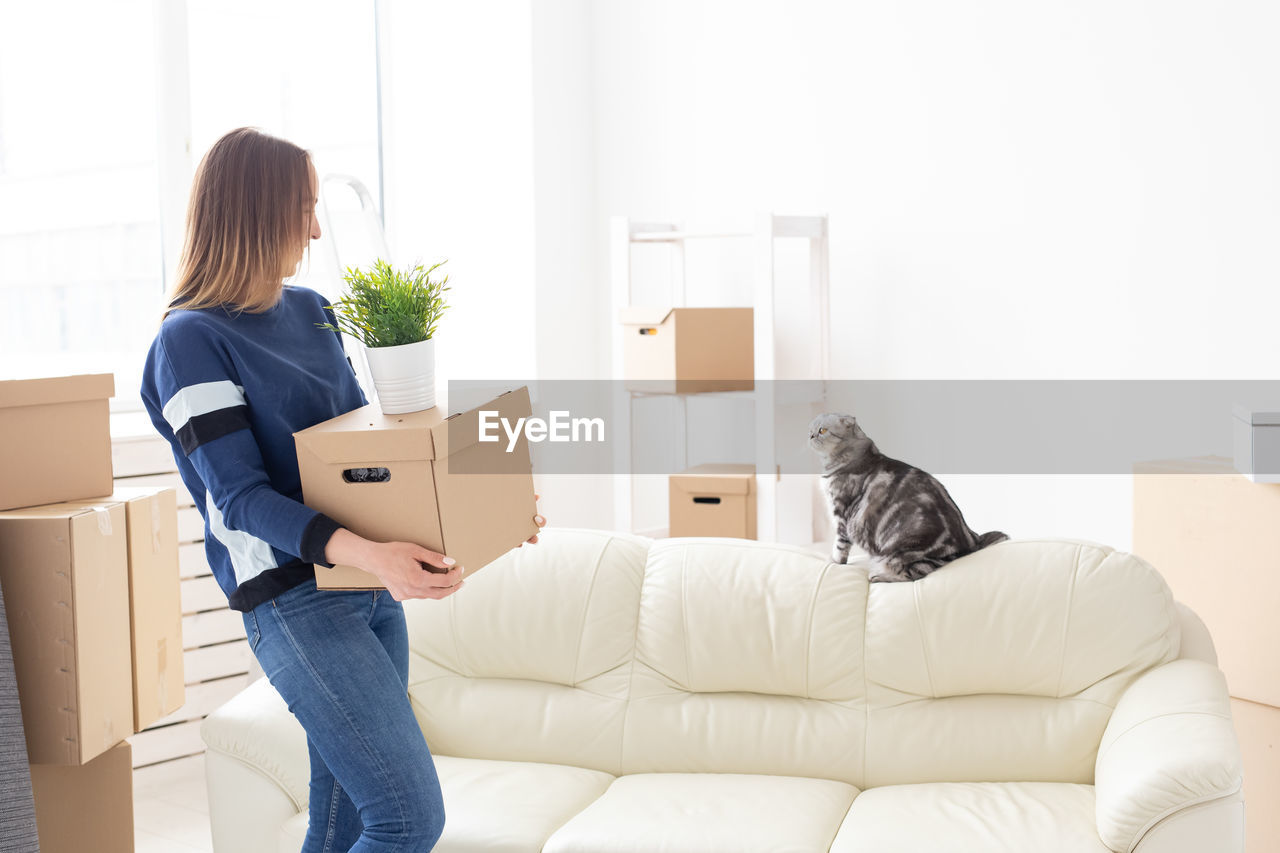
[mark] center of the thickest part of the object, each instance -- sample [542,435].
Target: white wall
[569,333]
[458,137]
[1048,190]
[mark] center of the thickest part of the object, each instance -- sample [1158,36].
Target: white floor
[171,808]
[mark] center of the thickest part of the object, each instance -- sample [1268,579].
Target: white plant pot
[404,376]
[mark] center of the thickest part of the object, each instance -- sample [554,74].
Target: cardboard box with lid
[688,349]
[56,439]
[441,487]
[713,500]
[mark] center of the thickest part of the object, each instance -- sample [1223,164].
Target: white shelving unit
[785,505]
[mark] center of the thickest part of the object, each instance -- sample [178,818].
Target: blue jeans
[341,662]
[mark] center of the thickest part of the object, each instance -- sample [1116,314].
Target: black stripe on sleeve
[269,584]
[315,536]
[202,429]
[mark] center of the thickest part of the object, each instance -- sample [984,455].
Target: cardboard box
[85,808]
[55,439]
[1214,537]
[1258,729]
[64,572]
[713,500]
[155,600]
[688,349]
[1255,444]
[445,489]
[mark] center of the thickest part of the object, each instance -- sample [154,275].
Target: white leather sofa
[606,692]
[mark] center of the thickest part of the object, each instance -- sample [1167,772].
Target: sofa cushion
[1071,625]
[532,661]
[959,817]
[497,806]
[1060,617]
[748,660]
[293,833]
[707,811]
[510,806]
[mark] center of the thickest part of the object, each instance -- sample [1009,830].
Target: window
[88,201]
[306,71]
[80,257]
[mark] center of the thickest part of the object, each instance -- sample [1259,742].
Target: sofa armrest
[1169,746]
[257,767]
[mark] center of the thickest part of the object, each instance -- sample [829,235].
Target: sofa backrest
[531,660]
[748,657]
[1006,664]
[631,655]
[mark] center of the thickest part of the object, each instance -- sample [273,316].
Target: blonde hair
[247,218]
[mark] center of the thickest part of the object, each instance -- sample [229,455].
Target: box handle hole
[698,500]
[644,331]
[367,475]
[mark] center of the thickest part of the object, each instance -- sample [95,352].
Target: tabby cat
[901,516]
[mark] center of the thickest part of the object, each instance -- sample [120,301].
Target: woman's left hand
[538,520]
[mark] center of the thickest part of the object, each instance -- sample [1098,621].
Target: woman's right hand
[401,566]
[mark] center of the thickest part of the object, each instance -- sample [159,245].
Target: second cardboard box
[155,599]
[64,570]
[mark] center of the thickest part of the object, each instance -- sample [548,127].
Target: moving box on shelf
[422,477]
[688,349]
[713,500]
[85,808]
[155,600]
[57,439]
[64,571]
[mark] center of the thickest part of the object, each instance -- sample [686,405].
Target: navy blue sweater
[228,391]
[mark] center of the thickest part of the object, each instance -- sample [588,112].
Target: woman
[238,366]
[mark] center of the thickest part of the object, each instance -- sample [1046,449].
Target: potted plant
[394,314]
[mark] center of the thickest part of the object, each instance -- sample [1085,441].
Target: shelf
[748,393]
[677,236]
[785,508]
[808,227]
[790,394]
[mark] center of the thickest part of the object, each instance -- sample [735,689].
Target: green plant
[387,307]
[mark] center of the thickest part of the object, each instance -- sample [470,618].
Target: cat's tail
[990,538]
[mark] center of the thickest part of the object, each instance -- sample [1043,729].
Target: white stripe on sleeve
[250,556]
[200,399]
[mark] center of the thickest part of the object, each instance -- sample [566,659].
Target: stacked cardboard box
[713,500]
[1213,535]
[696,350]
[90,583]
[86,807]
[688,349]
[57,439]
